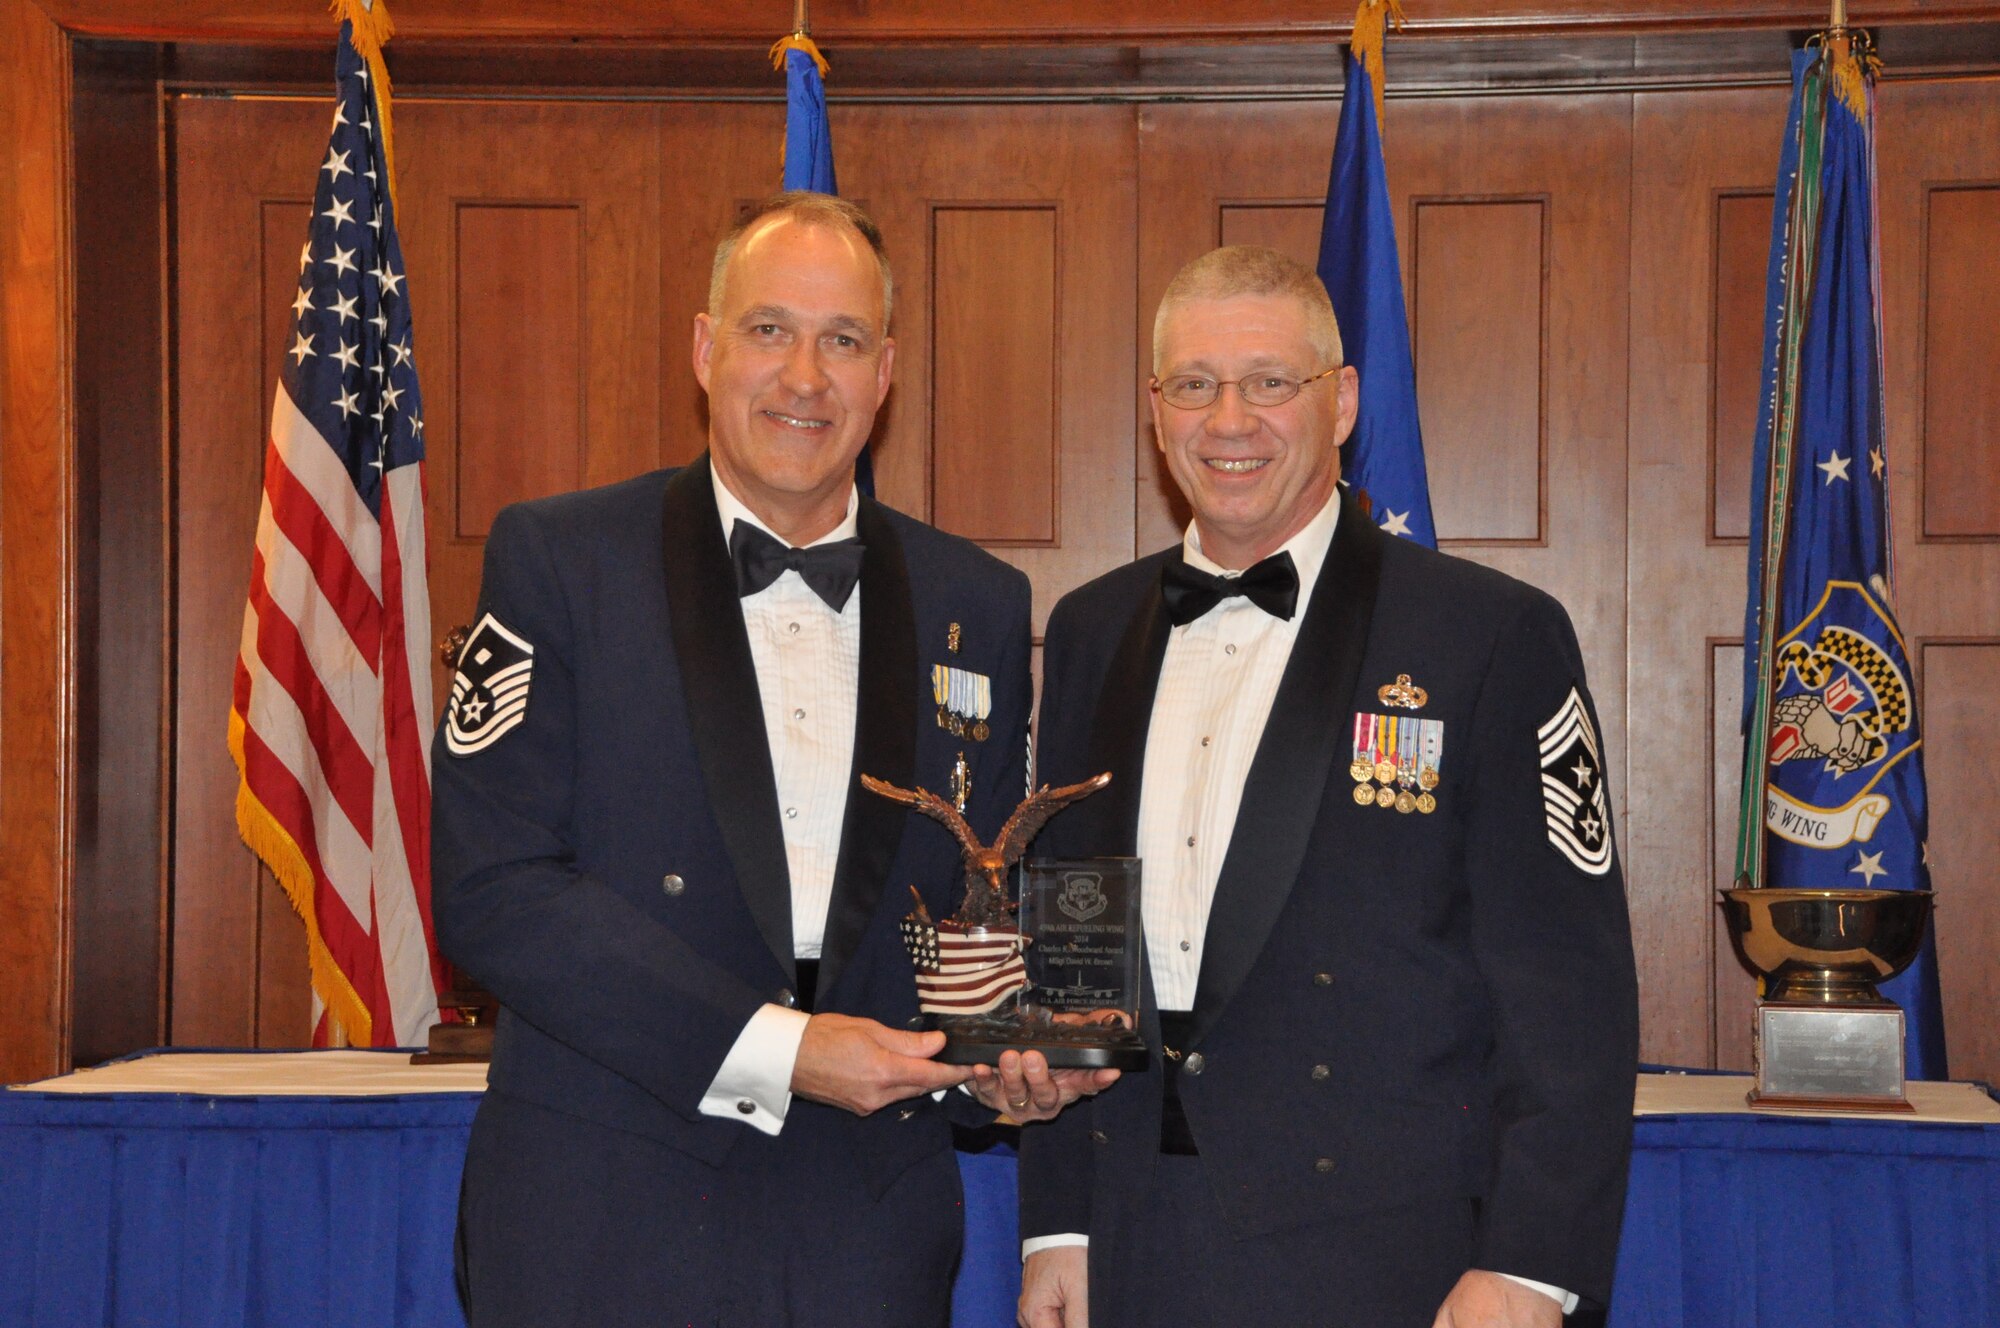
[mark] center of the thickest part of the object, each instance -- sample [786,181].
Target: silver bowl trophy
[1054,971]
[1824,1036]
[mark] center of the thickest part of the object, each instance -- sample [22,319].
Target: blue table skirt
[189,1211]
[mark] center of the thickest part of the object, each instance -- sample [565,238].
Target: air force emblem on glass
[1573,798]
[489,693]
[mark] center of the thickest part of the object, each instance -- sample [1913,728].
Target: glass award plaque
[1054,970]
[1082,919]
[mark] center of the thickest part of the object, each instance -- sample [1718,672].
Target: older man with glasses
[1389,977]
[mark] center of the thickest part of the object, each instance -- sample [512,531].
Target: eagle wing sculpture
[986,866]
[931,805]
[1034,813]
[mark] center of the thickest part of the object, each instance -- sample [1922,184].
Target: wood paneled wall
[38,492]
[1584,275]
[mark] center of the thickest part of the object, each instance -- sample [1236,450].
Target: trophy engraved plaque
[1825,1037]
[1054,971]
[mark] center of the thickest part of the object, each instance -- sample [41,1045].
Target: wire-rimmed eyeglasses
[1195,391]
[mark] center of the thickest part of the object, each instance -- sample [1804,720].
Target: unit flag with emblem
[1832,747]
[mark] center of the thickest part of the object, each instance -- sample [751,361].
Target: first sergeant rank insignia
[1573,798]
[489,693]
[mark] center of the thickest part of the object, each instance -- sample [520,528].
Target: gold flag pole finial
[1839,13]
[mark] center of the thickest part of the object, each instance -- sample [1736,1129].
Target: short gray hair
[808,209]
[1252,269]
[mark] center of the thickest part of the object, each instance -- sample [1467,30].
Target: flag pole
[802,21]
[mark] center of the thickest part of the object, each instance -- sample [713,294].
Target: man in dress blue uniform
[1390,981]
[707,1104]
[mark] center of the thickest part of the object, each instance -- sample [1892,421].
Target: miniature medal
[1362,767]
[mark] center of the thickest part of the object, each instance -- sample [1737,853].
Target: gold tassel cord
[269,841]
[1371,22]
[797,41]
[372,29]
[1853,64]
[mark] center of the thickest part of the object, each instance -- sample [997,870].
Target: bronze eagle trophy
[986,865]
[1062,978]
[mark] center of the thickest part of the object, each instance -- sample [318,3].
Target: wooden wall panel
[122,679]
[530,235]
[1961,383]
[519,374]
[1742,247]
[1733,985]
[1290,228]
[38,491]
[994,422]
[240,192]
[1076,164]
[1685,588]
[1935,138]
[1477,329]
[1961,750]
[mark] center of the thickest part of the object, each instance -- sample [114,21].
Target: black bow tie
[1189,592]
[761,558]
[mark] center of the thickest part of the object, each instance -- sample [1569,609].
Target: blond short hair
[1252,269]
[808,209]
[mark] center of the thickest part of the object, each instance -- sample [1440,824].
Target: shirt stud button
[1186,946]
[791,813]
[673,885]
[1205,742]
[1229,650]
[793,628]
[800,713]
[747,1107]
[1190,841]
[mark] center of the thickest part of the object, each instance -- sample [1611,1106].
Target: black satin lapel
[1118,735]
[725,714]
[885,741]
[1281,798]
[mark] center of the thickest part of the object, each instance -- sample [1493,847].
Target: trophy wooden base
[1798,1102]
[468,1040]
[1127,1054]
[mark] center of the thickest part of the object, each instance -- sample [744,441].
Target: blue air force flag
[1358,262]
[1829,708]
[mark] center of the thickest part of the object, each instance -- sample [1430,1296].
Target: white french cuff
[1036,1244]
[1566,1299]
[754,1084]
